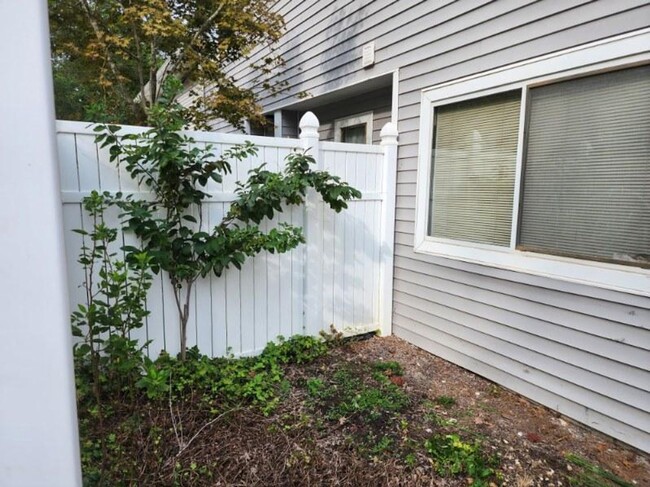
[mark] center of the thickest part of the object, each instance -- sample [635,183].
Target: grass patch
[592,475]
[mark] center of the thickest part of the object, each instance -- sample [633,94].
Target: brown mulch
[296,445]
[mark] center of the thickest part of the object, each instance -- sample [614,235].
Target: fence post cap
[389,134]
[309,125]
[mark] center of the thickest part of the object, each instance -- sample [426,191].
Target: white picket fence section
[342,276]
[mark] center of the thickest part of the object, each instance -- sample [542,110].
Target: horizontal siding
[581,350]
[474,359]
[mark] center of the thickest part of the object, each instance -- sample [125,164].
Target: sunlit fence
[341,276]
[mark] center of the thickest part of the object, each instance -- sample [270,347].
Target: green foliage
[388,368]
[445,401]
[116,290]
[591,475]
[256,380]
[298,349]
[315,386]
[154,380]
[452,456]
[375,447]
[177,170]
[357,392]
[211,385]
[116,54]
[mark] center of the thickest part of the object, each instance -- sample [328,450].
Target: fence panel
[243,310]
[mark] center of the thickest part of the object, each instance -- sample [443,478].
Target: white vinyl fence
[341,276]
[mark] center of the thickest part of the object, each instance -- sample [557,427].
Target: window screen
[473,176]
[586,185]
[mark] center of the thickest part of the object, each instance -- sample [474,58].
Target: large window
[473,175]
[543,167]
[586,179]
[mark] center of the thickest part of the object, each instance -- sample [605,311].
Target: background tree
[112,56]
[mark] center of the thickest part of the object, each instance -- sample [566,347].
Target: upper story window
[356,129]
[544,166]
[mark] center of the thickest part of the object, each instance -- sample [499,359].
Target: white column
[277,123]
[313,268]
[38,422]
[389,142]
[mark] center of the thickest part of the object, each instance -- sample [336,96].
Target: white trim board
[628,50]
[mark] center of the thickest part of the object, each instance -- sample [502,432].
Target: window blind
[474,158]
[354,134]
[586,186]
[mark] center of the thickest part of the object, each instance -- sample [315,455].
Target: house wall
[377,101]
[577,349]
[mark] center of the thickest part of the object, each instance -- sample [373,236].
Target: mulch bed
[299,444]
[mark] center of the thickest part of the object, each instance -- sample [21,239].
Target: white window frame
[627,50]
[361,118]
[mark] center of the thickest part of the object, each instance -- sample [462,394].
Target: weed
[410,459]
[593,475]
[298,349]
[388,368]
[379,447]
[315,387]
[445,401]
[452,456]
[352,396]
[213,385]
[432,416]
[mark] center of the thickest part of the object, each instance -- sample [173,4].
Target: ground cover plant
[339,412]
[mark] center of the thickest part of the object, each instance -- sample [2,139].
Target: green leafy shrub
[297,349]
[106,357]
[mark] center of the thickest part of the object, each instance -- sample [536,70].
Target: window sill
[622,278]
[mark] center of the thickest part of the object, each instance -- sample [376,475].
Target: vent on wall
[368,58]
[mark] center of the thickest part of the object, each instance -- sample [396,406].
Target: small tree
[170,226]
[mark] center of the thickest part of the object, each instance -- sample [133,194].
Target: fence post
[313,228]
[39,440]
[389,142]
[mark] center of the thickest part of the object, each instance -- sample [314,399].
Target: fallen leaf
[533,437]
[397,380]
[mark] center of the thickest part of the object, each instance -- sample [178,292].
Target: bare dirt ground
[534,440]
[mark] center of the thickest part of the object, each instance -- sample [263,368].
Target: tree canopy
[110,57]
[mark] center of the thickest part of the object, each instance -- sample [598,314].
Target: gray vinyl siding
[581,350]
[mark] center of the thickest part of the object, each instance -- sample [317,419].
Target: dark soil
[312,439]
